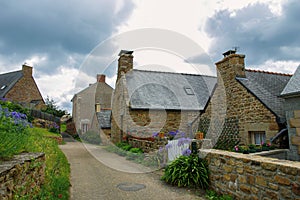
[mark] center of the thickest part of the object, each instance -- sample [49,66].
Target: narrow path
[97,174]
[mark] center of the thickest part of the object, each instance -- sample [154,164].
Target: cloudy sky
[69,42]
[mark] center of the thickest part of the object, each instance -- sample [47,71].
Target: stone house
[249,98]
[92,107]
[291,94]
[145,102]
[20,86]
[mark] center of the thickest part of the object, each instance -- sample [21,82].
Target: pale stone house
[145,102]
[20,86]
[92,107]
[250,98]
[291,94]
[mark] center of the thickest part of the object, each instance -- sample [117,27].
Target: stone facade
[142,123]
[253,177]
[232,100]
[294,128]
[23,175]
[87,102]
[25,90]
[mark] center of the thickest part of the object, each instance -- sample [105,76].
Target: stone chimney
[232,65]
[101,78]
[27,70]
[125,62]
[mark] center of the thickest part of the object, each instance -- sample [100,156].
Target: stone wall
[23,175]
[245,176]
[232,100]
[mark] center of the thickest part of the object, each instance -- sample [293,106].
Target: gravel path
[98,174]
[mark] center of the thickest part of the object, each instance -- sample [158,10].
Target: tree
[52,108]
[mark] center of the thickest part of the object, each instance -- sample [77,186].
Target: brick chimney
[101,78]
[125,62]
[232,65]
[27,70]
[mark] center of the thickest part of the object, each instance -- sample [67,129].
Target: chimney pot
[101,78]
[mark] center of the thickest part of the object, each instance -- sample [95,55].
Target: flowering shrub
[54,128]
[13,132]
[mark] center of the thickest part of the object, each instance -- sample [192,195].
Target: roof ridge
[11,72]
[268,72]
[173,73]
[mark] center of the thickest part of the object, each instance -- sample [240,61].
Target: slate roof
[267,86]
[104,118]
[8,80]
[293,86]
[170,91]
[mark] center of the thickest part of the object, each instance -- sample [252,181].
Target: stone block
[298,131]
[240,170]
[242,179]
[272,194]
[227,168]
[261,181]
[251,180]
[295,123]
[245,188]
[296,140]
[273,127]
[269,166]
[273,186]
[282,180]
[297,114]
[289,170]
[296,189]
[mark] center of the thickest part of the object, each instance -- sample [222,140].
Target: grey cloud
[57,28]
[257,31]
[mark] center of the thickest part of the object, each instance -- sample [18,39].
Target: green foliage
[187,171]
[17,108]
[212,195]
[52,108]
[91,137]
[13,133]
[63,127]
[136,150]
[57,170]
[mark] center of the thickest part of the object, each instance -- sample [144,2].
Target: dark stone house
[145,102]
[291,94]
[20,86]
[249,98]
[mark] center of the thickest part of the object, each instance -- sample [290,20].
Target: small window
[84,128]
[257,137]
[189,91]
[3,87]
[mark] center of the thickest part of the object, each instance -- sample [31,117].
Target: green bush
[187,171]
[91,137]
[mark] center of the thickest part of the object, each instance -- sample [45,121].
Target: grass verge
[57,170]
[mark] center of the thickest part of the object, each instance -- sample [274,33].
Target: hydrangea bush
[13,132]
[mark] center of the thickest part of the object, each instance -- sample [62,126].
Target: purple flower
[186,152]
[155,134]
[172,133]
[168,146]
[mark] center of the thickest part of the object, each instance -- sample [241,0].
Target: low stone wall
[147,145]
[22,175]
[246,176]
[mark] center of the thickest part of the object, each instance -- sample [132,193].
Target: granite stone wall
[245,176]
[232,100]
[23,175]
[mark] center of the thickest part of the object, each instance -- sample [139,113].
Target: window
[3,87]
[189,91]
[257,137]
[84,128]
